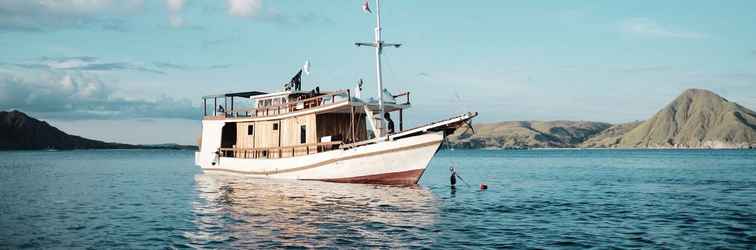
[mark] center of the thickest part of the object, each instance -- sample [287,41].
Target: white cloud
[40,15]
[82,63]
[651,28]
[175,7]
[71,63]
[244,8]
[50,15]
[70,7]
[77,95]
[75,6]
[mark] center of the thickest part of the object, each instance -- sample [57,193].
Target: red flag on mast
[366,7]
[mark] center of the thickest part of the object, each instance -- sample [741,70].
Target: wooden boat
[332,136]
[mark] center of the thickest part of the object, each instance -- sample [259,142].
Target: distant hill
[609,137]
[19,131]
[696,119]
[527,134]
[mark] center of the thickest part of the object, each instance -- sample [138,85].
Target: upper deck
[256,105]
[291,123]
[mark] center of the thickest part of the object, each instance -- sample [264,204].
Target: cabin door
[276,138]
[276,134]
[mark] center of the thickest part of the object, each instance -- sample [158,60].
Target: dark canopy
[238,94]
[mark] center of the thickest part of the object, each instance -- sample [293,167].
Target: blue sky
[134,71]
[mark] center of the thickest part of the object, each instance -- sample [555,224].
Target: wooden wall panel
[265,136]
[291,126]
[289,131]
[286,135]
[243,140]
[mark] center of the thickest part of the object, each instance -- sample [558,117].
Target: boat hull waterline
[395,162]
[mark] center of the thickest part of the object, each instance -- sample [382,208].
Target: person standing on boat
[358,90]
[390,122]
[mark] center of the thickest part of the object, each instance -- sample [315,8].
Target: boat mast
[379,45]
[379,73]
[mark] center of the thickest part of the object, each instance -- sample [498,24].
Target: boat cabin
[294,123]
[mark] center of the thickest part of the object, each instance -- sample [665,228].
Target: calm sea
[537,198]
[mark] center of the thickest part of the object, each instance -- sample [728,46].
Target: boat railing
[279,152]
[325,99]
[406,95]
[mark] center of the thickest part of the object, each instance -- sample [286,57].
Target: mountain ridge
[19,131]
[526,134]
[697,118]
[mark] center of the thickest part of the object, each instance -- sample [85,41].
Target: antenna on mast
[378,44]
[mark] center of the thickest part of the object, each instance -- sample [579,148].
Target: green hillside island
[19,131]
[696,119]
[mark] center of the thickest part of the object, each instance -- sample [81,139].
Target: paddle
[460,177]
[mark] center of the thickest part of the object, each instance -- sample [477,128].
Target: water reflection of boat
[241,211]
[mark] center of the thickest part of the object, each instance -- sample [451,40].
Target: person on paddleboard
[453,178]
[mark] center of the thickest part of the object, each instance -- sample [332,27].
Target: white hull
[400,161]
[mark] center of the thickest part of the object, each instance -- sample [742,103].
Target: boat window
[275,126]
[303,134]
[251,130]
[264,103]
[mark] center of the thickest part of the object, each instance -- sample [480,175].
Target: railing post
[351,124]
[401,120]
